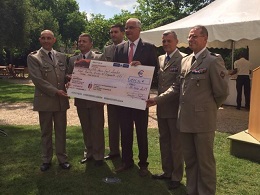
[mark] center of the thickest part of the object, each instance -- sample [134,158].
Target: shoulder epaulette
[34,52]
[214,54]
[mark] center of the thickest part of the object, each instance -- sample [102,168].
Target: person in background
[117,33]
[91,114]
[47,69]
[243,69]
[203,87]
[135,52]
[170,143]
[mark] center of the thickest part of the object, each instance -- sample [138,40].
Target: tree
[71,22]
[98,27]
[154,13]
[13,29]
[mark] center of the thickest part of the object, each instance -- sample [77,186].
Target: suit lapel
[90,55]
[197,63]
[138,50]
[171,61]
[161,62]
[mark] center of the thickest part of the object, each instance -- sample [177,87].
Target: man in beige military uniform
[91,114]
[203,88]
[117,33]
[170,143]
[47,69]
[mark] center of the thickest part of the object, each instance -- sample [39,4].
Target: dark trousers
[128,117]
[243,80]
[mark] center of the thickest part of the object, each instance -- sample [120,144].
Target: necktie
[131,53]
[84,57]
[50,56]
[167,59]
[193,60]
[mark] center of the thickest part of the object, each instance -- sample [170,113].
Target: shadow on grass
[15,92]
[20,174]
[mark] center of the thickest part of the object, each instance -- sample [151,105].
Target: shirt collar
[46,51]
[171,54]
[200,52]
[86,54]
[135,42]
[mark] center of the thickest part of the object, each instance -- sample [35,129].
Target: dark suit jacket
[145,53]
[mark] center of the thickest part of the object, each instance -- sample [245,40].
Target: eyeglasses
[194,37]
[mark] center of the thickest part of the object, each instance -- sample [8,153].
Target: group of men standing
[189,94]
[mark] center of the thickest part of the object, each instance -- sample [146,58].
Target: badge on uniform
[222,74]
[199,71]
[174,69]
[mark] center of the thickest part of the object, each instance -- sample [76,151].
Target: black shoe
[98,163]
[174,185]
[160,176]
[45,166]
[124,167]
[111,156]
[65,165]
[238,108]
[85,159]
[143,171]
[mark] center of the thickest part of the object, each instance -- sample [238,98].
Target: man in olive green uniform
[170,143]
[47,69]
[91,114]
[203,88]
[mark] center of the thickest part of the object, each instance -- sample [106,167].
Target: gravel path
[229,120]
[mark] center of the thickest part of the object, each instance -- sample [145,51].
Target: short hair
[203,30]
[86,35]
[137,21]
[167,32]
[47,31]
[118,25]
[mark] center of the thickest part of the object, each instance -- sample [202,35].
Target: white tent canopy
[226,21]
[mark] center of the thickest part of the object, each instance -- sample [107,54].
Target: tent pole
[232,53]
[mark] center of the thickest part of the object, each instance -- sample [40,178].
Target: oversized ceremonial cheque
[111,82]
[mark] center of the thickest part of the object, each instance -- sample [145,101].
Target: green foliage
[13,23]
[98,27]
[155,13]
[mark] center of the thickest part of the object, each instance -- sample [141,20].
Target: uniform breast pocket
[198,79]
[46,70]
[62,67]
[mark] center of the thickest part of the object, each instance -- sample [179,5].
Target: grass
[20,158]
[11,93]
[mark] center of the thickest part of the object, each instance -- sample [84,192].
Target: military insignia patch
[174,69]
[222,74]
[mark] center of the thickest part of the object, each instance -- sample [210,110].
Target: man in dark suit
[91,114]
[47,69]
[134,52]
[170,143]
[117,33]
[203,88]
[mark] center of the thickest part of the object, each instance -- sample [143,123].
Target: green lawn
[11,93]
[21,158]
